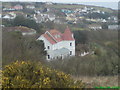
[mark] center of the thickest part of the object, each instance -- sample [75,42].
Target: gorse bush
[35,75]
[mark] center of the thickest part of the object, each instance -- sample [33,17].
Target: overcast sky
[104,3]
[66,1]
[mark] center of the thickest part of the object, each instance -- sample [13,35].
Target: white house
[30,6]
[113,27]
[18,7]
[51,17]
[57,44]
[95,27]
[11,15]
[49,3]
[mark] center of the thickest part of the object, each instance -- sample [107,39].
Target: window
[70,44]
[70,52]
[48,56]
[57,36]
[48,47]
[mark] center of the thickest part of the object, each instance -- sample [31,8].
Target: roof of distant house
[19,28]
[54,36]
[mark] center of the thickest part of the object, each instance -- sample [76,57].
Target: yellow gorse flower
[46,80]
[27,74]
[23,62]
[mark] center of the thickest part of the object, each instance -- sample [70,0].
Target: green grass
[66,6]
[105,9]
[60,6]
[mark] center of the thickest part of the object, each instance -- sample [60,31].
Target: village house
[59,20]
[44,17]
[18,7]
[37,11]
[51,17]
[49,3]
[8,9]
[10,15]
[113,27]
[30,6]
[57,44]
[95,27]
[22,29]
[41,18]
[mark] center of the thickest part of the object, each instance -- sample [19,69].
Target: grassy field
[103,81]
[77,29]
[60,6]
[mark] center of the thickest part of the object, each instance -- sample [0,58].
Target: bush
[35,75]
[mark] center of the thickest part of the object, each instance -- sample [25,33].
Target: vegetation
[88,66]
[22,21]
[98,15]
[98,81]
[72,6]
[102,59]
[17,47]
[35,75]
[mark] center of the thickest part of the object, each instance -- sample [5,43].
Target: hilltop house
[30,6]
[9,16]
[18,7]
[95,27]
[57,44]
[113,27]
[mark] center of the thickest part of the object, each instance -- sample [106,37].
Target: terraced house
[57,44]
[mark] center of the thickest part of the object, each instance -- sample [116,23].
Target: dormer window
[57,36]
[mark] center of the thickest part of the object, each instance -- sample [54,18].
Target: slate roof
[59,52]
[54,36]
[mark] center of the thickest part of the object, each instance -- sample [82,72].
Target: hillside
[74,6]
[93,29]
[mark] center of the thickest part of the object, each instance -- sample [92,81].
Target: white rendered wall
[59,45]
[46,43]
[65,44]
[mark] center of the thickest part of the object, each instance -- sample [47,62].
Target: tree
[81,37]
[18,47]
[22,21]
[104,26]
[49,24]
[7,23]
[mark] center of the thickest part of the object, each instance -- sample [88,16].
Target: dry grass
[103,81]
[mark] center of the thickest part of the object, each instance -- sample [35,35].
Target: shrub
[35,75]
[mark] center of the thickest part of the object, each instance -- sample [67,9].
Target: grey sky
[104,3]
[66,1]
